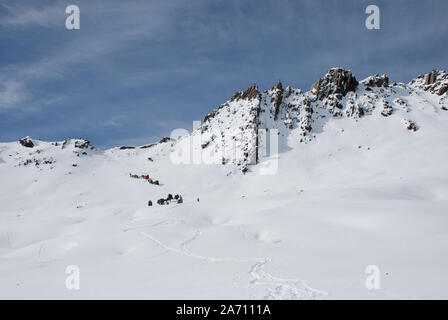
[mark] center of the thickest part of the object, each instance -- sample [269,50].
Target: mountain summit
[230,133]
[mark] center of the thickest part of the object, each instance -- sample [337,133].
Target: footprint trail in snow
[277,288]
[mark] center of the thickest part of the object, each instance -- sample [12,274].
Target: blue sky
[138,69]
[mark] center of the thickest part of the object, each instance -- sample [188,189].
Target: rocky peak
[250,94]
[27,142]
[431,77]
[377,81]
[82,144]
[336,81]
[230,133]
[279,85]
[278,98]
[435,81]
[77,144]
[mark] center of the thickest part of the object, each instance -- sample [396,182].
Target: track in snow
[277,288]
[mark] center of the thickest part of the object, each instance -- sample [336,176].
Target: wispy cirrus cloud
[18,15]
[11,94]
[99,37]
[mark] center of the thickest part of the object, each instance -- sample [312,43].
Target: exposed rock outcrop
[82,144]
[377,81]
[336,81]
[278,98]
[387,109]
[27,142]
[410,125]
[435,81]
[249,94]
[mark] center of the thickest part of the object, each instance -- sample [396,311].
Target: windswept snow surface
[359,192]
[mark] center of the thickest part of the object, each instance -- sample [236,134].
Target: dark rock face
[436,81]
[306,122]
[410,125]
[164,139]
[27,142]
[387,109]
[211,114]
[82,144]
[354,111]
[442,90]
[38,162]
[278,98]
[431,77]
[378,81]
[250,94]
[205,145]
[126,148]
[336,81]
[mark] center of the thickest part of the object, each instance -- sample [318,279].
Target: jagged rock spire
[279,85]
[336,80]
[377,81]
[278,98]
[250,93]
[431,77]
[436,81]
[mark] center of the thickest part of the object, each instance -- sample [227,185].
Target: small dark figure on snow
[198,199]
[156,182]
[176,197]
[160,201]
[180,200]
[149,203]
[170,197]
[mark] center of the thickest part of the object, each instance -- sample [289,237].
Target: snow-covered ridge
[232,130]
[235,133]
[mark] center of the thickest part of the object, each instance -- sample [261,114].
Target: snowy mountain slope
[356,185]
[235,131]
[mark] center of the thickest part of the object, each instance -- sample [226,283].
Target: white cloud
[11,94]
[142,20]
[20,16]
[110,123]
